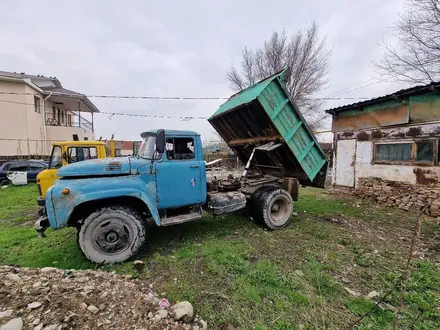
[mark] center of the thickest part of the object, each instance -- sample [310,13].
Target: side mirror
[135,149]
[160,141]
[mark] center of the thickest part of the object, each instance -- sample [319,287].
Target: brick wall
[403,195]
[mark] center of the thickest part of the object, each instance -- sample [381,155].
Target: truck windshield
[148,147]
[55,159]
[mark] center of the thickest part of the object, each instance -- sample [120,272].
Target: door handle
[194,166]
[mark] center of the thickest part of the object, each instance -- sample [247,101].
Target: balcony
[68,119]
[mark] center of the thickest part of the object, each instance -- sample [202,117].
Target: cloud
[179,48]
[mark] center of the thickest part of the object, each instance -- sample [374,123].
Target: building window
[69,120]
[425,151]
[394,152]
[37,104]
[407,152]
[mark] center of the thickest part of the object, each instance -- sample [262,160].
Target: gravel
[54,299]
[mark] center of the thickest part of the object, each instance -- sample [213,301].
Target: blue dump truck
[112,202]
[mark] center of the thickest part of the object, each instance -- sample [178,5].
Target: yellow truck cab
[69,152]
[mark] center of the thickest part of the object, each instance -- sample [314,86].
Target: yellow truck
[69,152]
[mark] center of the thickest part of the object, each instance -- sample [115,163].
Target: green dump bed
[263,113]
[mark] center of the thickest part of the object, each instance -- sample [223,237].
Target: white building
[36,111]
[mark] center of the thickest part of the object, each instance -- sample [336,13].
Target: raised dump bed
[264,113]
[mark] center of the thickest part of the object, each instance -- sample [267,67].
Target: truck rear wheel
[112,234]
[276,207]
[256,201]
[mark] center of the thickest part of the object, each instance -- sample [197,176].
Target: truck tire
[112,234]
[276,207]
[255,202]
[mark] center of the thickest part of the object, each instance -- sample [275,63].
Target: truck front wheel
[111,235]
[276,207]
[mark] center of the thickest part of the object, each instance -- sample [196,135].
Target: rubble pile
[399,194]
[54,299]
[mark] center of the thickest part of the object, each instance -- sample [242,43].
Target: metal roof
[400,94]
[62,91]
[24,75]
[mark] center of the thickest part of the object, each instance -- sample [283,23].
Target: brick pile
[403,195]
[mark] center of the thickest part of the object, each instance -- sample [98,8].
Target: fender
[60,207]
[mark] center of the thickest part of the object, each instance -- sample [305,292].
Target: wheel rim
[112,236]
[279,210]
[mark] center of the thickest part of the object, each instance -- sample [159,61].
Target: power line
[360,87]
[348,89]
[111,114]
[152,97]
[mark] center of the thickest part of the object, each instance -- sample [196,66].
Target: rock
[150,315]
[13,277]
[93,309]
[300,273]
[36,284]
[39,327]
[51,327]
[138,264]
[162,313]
[373,294]
[36,321]
[14,324]
[89,288]
[203,324]
[101,307]
[295,214]
[34,305]
[345,280]
[196,327]
[228,326]
[103,295]
[6,313]
[352,292]
[182,309]
[68,317]
[157,318]
[46,270]
[83,307]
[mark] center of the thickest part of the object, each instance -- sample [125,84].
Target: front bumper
[41,202]
[41,225]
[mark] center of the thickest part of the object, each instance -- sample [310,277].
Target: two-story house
[36,111]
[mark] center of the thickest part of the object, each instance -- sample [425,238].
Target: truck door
[179,174]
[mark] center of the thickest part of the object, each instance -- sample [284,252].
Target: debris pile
[399,194]
[54,299]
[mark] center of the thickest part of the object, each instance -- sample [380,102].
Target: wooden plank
[278,109]
[253,140]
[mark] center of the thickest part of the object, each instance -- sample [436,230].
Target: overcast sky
[180,48]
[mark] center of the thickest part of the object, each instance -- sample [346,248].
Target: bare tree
[415,57]
[304,55]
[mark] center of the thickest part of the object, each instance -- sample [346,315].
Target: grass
[234,271]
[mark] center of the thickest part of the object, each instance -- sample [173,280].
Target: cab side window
[77,154]
[180,148]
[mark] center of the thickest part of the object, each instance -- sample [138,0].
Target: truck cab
[64,153]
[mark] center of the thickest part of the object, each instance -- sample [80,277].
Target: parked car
[32,167]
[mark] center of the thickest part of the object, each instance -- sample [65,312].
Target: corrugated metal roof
[431,87]
[246,95]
